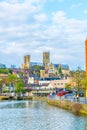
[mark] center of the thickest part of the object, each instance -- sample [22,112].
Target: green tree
[78,76]
[68,86]
[38,67]
[19,87]
[60,74]
[1,83]
[11,79]
[4,71]
[84,84]
[16,82]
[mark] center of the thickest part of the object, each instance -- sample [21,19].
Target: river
[36,115]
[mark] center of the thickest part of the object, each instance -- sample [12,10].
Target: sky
[33,26]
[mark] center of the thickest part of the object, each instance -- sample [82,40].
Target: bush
[76,108]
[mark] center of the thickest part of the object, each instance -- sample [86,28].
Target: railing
[81,100]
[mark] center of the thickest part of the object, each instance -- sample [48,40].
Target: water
[34,115]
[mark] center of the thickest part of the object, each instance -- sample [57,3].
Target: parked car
[62,93]
[81,94]
[69,91]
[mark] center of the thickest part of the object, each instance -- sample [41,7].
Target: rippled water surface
[34,115]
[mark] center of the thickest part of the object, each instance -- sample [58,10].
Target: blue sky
[34,26]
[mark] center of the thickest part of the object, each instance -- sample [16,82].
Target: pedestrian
[74,97]
[77,97]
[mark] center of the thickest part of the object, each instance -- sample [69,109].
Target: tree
[19,86]
[14,81]
[1,82]
[9,79]
[84,84]
[68,86]
[78,76]
[38,67]
[17,82]
[60,72]
[4,71]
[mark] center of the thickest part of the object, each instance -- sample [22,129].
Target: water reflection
[34,115]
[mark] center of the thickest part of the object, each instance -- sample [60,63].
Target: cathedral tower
[46,58]
[26,64]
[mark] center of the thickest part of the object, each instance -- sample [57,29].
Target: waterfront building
[26,64]
[61,83]
[53,83]
[46,80]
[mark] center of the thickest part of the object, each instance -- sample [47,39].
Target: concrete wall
[74,107]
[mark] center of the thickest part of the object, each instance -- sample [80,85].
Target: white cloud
[40,17]
[59,16]
[17,13]
[56,0]
[78,5]
[85,11]
[23,29]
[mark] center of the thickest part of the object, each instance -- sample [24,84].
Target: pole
[86,65]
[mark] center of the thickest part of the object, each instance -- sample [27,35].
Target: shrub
[76,108]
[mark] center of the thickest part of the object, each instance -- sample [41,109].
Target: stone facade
[26,64]
[46,58]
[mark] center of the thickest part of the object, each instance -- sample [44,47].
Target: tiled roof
[64,66]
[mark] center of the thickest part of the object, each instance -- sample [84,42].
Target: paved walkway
[81,100]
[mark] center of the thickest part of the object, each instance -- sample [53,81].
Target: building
[64,67]
[42,74]
[61,83]
[36,64]
[31,80]
[3,76]
[46,80]
[26,64]
[46,58]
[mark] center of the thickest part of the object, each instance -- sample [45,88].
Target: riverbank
[40,98]
[74,107]
[4,98]
[15,98]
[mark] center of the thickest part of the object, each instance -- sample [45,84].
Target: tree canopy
[4,71]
